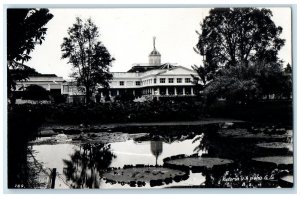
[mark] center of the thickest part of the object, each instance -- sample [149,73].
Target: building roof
[143,68]
[42,75]
[44,78]
[147,67]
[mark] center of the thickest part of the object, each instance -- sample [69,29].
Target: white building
[54,84]
[147,80]
[50,82]
[153,79]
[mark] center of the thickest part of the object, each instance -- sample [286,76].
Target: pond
[92,163]
[128,152]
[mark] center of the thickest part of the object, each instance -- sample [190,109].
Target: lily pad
[278,161]
[246,135]
[276,145]
[47,132]
[232,132]
[139,176]
[197,163]
[286,181]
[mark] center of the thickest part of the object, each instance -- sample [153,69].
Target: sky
[128,35]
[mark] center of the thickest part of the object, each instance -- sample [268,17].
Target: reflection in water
[203,143]
[156,149]
[85,167]
[132,153]
[207,142]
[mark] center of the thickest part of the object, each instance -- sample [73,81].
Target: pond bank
[145,124]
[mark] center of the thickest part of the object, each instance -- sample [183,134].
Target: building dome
[154,56]
[154,53]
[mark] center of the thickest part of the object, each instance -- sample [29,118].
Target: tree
[232,36]
[25,29]
[88,56]
[239,48]
[271,79]
[236,84]
[248,83]
[21,72]
[87,165]
[35,92]
[205,75]
[288,70]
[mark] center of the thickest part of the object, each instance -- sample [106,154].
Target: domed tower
[154,56]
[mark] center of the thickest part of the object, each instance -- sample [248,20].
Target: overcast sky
[127,34]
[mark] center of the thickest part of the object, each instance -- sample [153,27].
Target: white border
[139,3]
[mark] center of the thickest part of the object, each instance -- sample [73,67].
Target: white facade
[153,79]
[164,81]
[49,82]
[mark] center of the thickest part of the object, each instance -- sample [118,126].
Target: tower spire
[154,56]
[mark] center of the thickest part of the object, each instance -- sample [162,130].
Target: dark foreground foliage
[23,123]
[118,112]
[160,111]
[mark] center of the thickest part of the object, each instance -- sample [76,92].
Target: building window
[171,80]
[121,83]
[162,80]
[138,83]
[154,80]
[187,80]
[66,88]
[179,80]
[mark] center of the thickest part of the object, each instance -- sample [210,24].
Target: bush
[35,92]
[120,112]
[162,111]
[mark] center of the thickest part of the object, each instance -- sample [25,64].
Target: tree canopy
[231,36]
[20,72]
[89,57]
[249,83]
[240,48]
[25,29]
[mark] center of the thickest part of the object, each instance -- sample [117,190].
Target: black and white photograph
[149,97]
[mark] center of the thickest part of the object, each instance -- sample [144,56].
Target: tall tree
[239,47]
[88,56]
[25,29]
[231,36]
